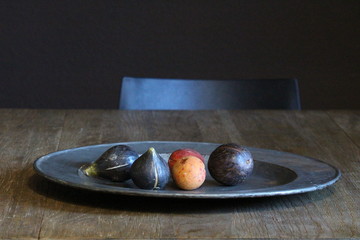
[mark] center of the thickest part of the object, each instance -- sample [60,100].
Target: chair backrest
[186,94]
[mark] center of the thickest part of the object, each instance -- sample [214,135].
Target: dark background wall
[73,54]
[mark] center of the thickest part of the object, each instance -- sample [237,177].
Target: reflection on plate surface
[275,172]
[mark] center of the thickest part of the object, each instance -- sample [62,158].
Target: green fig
[114,164]
[150,171]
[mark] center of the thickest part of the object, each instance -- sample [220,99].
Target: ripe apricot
[183,153]
[189,173]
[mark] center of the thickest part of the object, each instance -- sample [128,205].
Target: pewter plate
[275,173]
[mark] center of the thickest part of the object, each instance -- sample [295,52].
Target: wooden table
[34,208]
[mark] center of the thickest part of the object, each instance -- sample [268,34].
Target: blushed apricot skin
[183,153]
[189,173]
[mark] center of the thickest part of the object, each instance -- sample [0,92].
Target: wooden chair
[186,94]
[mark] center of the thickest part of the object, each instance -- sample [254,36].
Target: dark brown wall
[73,54]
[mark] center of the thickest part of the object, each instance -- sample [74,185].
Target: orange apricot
[189,173]
[183,153]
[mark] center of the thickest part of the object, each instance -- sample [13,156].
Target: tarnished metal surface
[275,173]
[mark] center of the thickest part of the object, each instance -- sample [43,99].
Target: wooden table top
[34,208]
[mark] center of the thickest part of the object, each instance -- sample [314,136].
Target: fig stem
[90,171]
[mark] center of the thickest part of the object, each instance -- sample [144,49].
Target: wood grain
[35,208]
[24,135]
[349,121]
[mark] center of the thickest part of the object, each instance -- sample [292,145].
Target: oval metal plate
[275,172]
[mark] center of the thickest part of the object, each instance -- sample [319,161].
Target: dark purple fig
[114,164]
[150,171]
[230,164]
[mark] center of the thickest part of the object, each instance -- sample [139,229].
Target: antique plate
[275,173]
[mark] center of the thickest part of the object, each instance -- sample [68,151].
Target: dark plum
[114,164]
[230,164]
[150,171]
